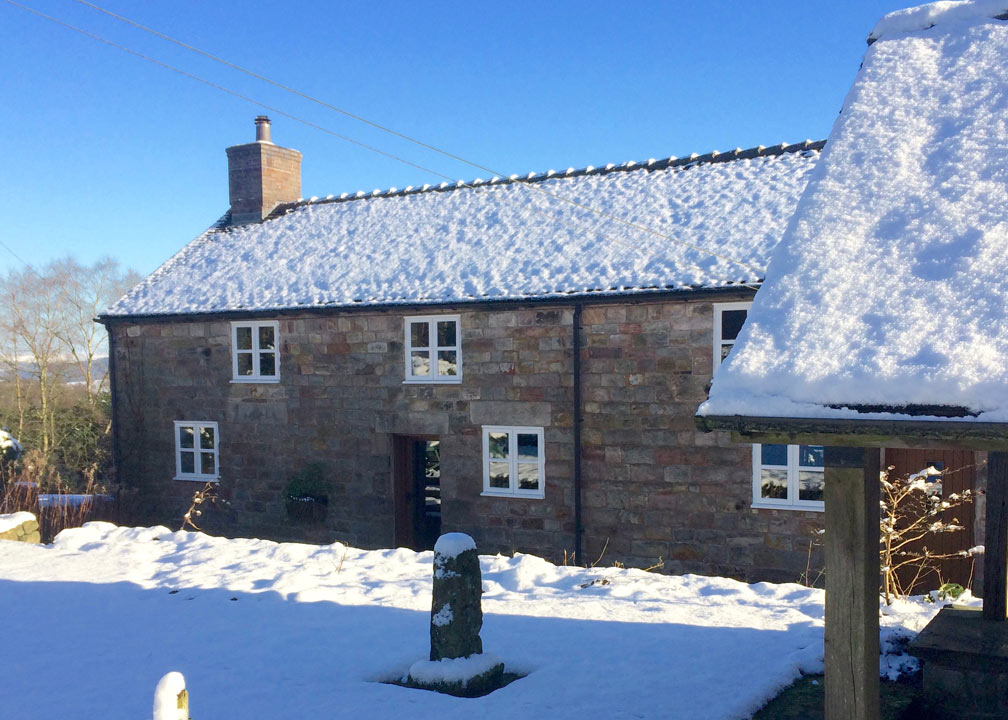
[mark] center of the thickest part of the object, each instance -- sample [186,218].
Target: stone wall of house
[653,486]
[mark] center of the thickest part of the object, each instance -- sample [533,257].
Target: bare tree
[85,291]
[10,354]
[48,330]
[34,323]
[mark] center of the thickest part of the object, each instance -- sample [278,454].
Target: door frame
[404,496]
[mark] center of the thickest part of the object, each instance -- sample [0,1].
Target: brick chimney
[261,176]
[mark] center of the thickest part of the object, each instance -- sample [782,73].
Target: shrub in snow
[307,494]
[914,511]
[10,448]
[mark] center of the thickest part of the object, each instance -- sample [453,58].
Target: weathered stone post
[456,612]
[457,665]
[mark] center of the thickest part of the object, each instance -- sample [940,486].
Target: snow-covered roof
[888,296]
[702,221]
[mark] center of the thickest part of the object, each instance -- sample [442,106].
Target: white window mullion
[792,474]
[513,458]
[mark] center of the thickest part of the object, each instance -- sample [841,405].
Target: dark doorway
[417,479]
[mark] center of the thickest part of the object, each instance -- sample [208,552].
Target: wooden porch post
[852,582]
[995,585]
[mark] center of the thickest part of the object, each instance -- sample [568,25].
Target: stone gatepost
[456,612]
[457,665]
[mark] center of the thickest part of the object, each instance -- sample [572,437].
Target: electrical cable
[277,110]
[403,136]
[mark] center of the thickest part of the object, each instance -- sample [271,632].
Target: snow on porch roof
[887,298]
[497,239]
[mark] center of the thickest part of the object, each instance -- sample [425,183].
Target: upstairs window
[196,450]
[513,461]
[433,349]
[728,321]
[788,476]
[254,356]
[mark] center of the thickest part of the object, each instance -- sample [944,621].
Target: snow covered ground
[267,630]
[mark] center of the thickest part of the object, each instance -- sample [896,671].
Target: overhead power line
[400,135]
[277,110]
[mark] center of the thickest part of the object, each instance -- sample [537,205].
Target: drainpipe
[578,527]
[113,415]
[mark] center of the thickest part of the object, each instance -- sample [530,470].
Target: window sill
[786,506]
[255,381]
[193,478]
[527,496]
[435,381]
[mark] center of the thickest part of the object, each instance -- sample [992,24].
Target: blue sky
[106,154]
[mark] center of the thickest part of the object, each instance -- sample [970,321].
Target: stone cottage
[519,359]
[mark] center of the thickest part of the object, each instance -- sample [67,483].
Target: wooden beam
[852,582]
[995,585]
[868,441]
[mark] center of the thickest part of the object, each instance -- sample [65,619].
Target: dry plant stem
[601,554]
[910,514]
[208,493]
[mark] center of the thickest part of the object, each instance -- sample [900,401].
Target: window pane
[420,362]
[528,446]
[731,323]
[810,485]
[185,433]
[499,474]
[528,476]
[446,333]
[243,337]
[447,362]
[244,363]
[419,334]
[188,462]
[725,349]
[774,455]
[498,445]
[206,438]
[207,463]
[773,484]
[267,364]
[810,455]
[267,338]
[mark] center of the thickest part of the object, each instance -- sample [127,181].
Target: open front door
[417,481]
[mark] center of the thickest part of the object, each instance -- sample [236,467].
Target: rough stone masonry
[456,612]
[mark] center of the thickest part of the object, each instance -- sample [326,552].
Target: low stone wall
[20,527]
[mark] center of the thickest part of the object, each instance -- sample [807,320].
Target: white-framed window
[728,320]
[254,356]
[197,445]
[788,476]
[433,349]
[784,476]
[514,461]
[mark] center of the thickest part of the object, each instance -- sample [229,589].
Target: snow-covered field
[272,631]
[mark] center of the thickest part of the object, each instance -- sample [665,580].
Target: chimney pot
[262,128]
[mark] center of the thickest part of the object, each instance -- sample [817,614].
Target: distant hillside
[68,371]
